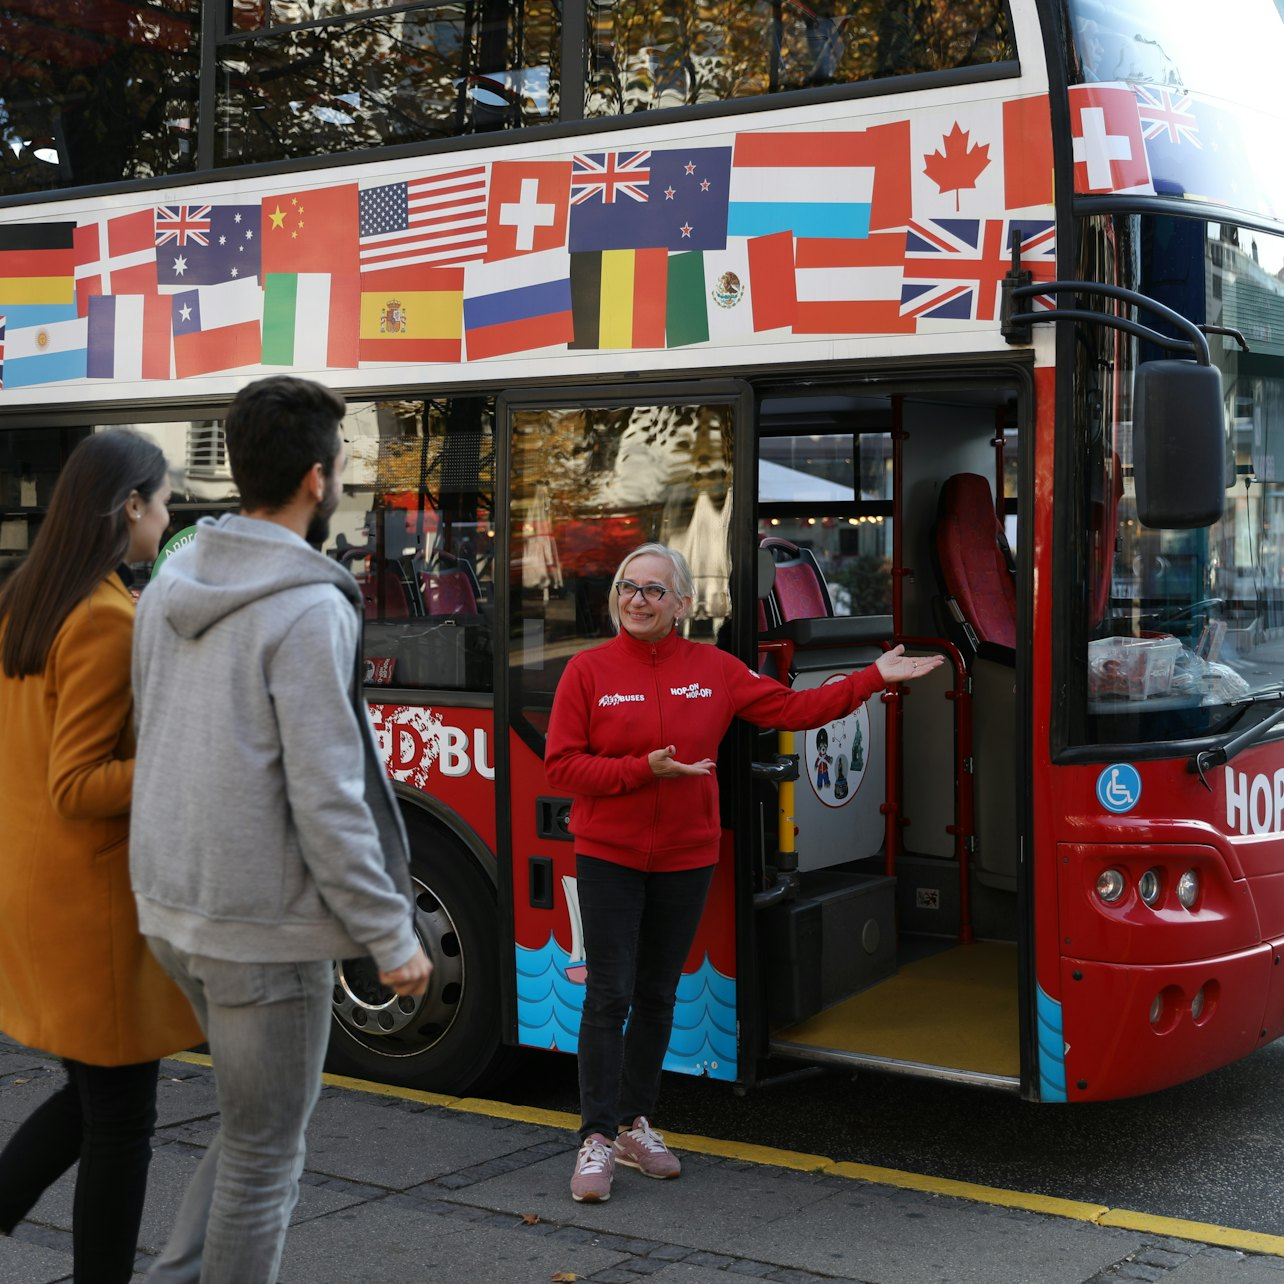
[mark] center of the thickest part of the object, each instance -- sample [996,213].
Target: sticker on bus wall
[1119,787]
[172,545]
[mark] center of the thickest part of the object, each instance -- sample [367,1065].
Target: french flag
[129,337]
[518,304]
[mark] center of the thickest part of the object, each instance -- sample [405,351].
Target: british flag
[1164,112]
[183,224]
[954,267]
[603,174]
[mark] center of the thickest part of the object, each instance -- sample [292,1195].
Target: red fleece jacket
[624,699]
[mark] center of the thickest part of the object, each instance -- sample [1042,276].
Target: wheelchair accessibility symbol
[1119,787]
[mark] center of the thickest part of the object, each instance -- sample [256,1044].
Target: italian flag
[311,320]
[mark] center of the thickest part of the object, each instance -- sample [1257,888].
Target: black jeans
[638,930]
[102,1117]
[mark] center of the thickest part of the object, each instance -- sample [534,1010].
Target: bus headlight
[1197,1004]
[1188,889]
[1110,885]
[1149,887]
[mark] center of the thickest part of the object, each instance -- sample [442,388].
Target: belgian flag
[618,298]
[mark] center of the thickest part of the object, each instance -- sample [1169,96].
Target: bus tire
[448,1040]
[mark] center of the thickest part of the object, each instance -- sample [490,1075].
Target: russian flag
[216,327]
[518,304]
[129,337]
[833,184]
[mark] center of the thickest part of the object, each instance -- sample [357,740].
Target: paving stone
[379,1243]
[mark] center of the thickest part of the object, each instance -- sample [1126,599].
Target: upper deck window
[674,53]
[1233,54]
[92,91]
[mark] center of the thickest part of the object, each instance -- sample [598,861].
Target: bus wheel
[448,1040]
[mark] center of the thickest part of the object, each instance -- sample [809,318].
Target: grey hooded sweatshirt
[263,826]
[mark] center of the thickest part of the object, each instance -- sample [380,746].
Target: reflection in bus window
[589,485]
[415,527]
[644,57]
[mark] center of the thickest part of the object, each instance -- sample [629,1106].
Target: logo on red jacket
[606,701]
[692,691]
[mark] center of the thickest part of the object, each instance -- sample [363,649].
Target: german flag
[37,264]
[618,298]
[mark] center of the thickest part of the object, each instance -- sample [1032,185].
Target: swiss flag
[313,231]
[115,256]
[528,206]
[1109,153]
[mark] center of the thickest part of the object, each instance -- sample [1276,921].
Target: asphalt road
[1208,1151]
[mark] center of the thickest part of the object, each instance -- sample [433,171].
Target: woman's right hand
[666,766]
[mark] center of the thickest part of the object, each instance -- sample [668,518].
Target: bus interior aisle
[898,946]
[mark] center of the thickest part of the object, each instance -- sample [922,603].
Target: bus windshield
[1235,56]
[1186,626]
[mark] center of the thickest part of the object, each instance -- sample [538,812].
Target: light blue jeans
[267,1025]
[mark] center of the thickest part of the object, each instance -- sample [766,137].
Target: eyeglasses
[652,592]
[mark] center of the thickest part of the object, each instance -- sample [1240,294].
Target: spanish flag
[618,298]
[412,314]
[37,264]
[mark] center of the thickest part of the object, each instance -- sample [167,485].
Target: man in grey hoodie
[265,840]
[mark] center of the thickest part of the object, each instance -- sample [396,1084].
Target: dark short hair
[83,538]
[276,429]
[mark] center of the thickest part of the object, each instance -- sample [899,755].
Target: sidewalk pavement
[404,1188]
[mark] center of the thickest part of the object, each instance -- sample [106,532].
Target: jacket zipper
[659,705]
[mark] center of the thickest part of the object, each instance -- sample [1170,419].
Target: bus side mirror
[1179,444]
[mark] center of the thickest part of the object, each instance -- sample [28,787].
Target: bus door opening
[896,943]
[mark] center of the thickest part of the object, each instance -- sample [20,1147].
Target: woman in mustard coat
[76,978]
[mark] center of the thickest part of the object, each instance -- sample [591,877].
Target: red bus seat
[799,591]
[448,592]
[974,564]
[397,604]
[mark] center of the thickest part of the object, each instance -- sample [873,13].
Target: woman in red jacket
[633,738]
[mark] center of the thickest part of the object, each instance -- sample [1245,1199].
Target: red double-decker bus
[951,325]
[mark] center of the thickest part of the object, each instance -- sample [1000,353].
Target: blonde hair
[680,574]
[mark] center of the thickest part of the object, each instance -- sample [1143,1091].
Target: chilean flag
[216,327]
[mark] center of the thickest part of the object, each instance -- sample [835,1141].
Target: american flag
[183,224]
[438,220]
[954,267]
[602,174]
[1165,112]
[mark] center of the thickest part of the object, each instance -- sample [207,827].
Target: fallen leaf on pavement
[530,1219]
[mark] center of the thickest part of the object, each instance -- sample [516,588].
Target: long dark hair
[84,537]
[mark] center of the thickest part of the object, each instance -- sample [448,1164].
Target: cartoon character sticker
[834,758]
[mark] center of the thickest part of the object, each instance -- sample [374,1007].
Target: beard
[319,526]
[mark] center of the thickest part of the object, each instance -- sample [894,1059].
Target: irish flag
[311,320]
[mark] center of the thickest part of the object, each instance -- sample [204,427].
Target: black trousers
[638,930]
[103,1118]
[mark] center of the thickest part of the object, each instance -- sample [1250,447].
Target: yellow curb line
[1245,1241]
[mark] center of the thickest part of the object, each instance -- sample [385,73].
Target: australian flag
[675,200]
[204,245]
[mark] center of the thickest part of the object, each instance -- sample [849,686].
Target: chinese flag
[314,231]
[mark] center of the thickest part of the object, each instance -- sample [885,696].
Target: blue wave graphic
[1052,1049]
[704,1020]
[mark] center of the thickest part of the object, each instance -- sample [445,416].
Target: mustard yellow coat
[76,978]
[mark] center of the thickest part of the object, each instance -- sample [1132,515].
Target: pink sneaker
[643,1148]
[594,1168]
